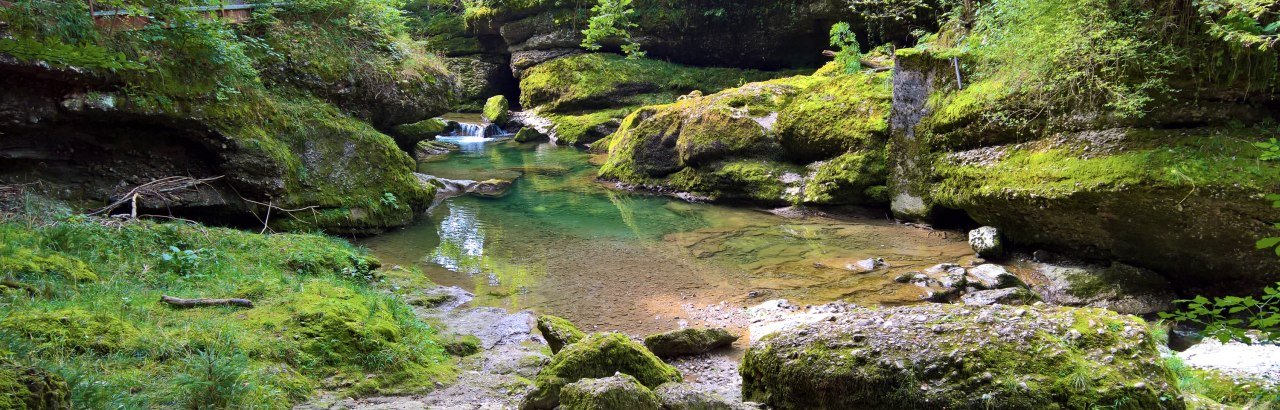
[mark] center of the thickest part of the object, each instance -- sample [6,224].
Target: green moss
[72,328]
[422,130]
[1220,388]
[595,81]
[851,178]
[688,341]
[462,346]
[836,115]
[559,332]
[753,180]
[529,135]
[596,356]
[25,263]
[496,110]
[314,323]
[585,129]
[23,387]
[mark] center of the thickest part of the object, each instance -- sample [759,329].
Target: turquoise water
[562,243]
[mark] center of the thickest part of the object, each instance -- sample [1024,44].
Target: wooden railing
[232,11]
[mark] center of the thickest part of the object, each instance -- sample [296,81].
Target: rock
[427,150]
[497,111]
[1120,287]
[866,265]
[619,391]
[462,346]
[530,135]
[942,282]
[409,135]
[986,242]
[1243,362]
[688,342]
[1006,296]
[990,276]
[559,332]
[598,355]
[681,396]
[492,188]
[988,357]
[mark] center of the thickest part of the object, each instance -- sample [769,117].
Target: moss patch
[496,110]
[596,356]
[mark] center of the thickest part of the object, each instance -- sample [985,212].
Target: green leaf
[1266,243]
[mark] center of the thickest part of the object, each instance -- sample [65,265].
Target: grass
[316,323]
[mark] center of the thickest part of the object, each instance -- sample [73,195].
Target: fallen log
[190,303]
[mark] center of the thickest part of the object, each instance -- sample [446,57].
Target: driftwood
[190,303]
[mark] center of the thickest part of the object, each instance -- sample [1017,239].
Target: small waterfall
[472,137]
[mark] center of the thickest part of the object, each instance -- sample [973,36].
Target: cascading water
[472,137]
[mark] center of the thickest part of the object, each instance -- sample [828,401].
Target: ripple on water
[562,244]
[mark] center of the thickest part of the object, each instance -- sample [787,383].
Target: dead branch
[163,188]
[190,303]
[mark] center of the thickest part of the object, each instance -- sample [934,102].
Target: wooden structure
[232,11]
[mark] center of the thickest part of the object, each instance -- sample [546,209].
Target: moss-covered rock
[559,332]
[23,387]
[24,263]
[497,110]
[842,113]
[601,80]
[951,356]
[462,345]
[409,135]
[586,129]
[72,328]
[1101,193]
[529,135]
[620,391]
[686,342]
[598,355]
[851,178]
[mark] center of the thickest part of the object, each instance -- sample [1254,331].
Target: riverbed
[562,243]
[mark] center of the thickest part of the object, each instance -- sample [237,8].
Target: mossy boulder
[72,328]
[596,356]
[24,263]
[687,342]
[1100,194]
[588,128]
[852,178]
[529,135]
[559,332]
[24,387]
[601,80]
[952,356]
[620,391]
[497,110]
[682,396]
[462,345]
[1118,287]
[409,135]
[841,113]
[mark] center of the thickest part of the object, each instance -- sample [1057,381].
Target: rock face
[619,391]
[952,356]
[688,342]
[986,242]
[1120,287]
[559,332]
[598,355]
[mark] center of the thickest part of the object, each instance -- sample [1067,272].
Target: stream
[560,242]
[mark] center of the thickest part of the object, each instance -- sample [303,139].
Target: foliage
[184,262]
[612,19]
[850,54]
[1247,23]
[66,55]
[1230,318]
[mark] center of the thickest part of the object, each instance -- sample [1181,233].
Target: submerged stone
[493,188]
[598,355]
[954,356]
[559,332]
[619,391]
[688,342]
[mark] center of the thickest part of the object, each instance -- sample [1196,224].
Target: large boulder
[559,332]
[619,391]
[497,111]
[986,242]
[596,356]
[687,342]
[953,356]
[681,396]
[1119,287]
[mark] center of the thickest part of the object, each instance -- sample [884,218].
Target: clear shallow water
[562,243]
